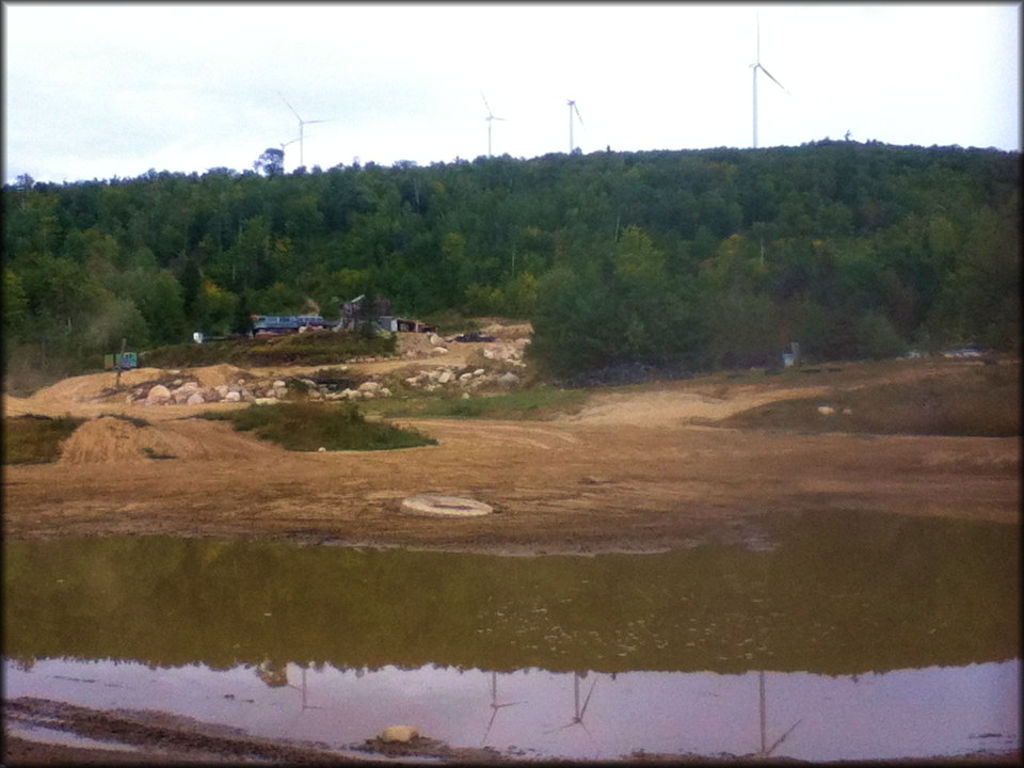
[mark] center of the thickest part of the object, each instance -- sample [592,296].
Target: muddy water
[824,637]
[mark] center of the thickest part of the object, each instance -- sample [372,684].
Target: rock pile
[509,352]
[506,357]
[260,391]
[434,379]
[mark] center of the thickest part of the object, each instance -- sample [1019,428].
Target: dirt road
[631,472]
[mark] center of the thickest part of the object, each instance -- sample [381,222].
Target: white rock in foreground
[445,506]
[400,734]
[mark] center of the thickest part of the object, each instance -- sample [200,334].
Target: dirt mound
[504,329]
[15,406]
[80,389]
[216,375]
[674,407]
[109,440]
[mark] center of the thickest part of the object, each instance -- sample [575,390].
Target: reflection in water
[767,752]
[662,652]
[495,706]
[901,713]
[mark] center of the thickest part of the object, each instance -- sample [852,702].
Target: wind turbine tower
[286,143]
[755,67]
[573,108]
[490,117]
[302,124]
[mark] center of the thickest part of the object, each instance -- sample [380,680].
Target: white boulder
[158,394]
[398,734]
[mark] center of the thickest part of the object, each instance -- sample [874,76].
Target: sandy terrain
[639,469]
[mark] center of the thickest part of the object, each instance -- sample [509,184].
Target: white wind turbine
[490,117]
[284,144]
[755,67]
[302,124]
[573,108]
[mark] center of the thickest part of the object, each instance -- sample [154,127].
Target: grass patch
[313,348]
[305,426]
[976,402]
[135,421]
[36,439]
[447,321]
[537,404]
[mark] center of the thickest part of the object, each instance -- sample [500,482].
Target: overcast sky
[104,90]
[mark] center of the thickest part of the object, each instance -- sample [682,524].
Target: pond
[824,637]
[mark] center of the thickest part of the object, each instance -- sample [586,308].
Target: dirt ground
[633,471]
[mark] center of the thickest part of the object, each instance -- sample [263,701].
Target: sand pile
[79,389]
[109,439]
[217,375]
[15,406]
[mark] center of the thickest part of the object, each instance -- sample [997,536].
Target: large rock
[398,734]
[233,396]
[196,398]
[445,376]
[508,380]
[158,394]
[369,386]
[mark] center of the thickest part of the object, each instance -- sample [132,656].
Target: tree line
[701,259]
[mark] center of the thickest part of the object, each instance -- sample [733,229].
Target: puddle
[589,716]
[871,637]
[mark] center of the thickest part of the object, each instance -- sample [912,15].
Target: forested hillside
[702,259]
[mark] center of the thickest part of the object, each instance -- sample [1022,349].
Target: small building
[279,325]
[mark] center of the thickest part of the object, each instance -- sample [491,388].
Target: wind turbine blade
[489,113]
[782,738]
[307,122]
[772,78]
[289,106]
[586,701]
[490,723]
[758,19]
[578,115]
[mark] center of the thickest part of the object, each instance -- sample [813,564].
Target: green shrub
[34,439]
[304,426]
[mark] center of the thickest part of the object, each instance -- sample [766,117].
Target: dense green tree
[693,258]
